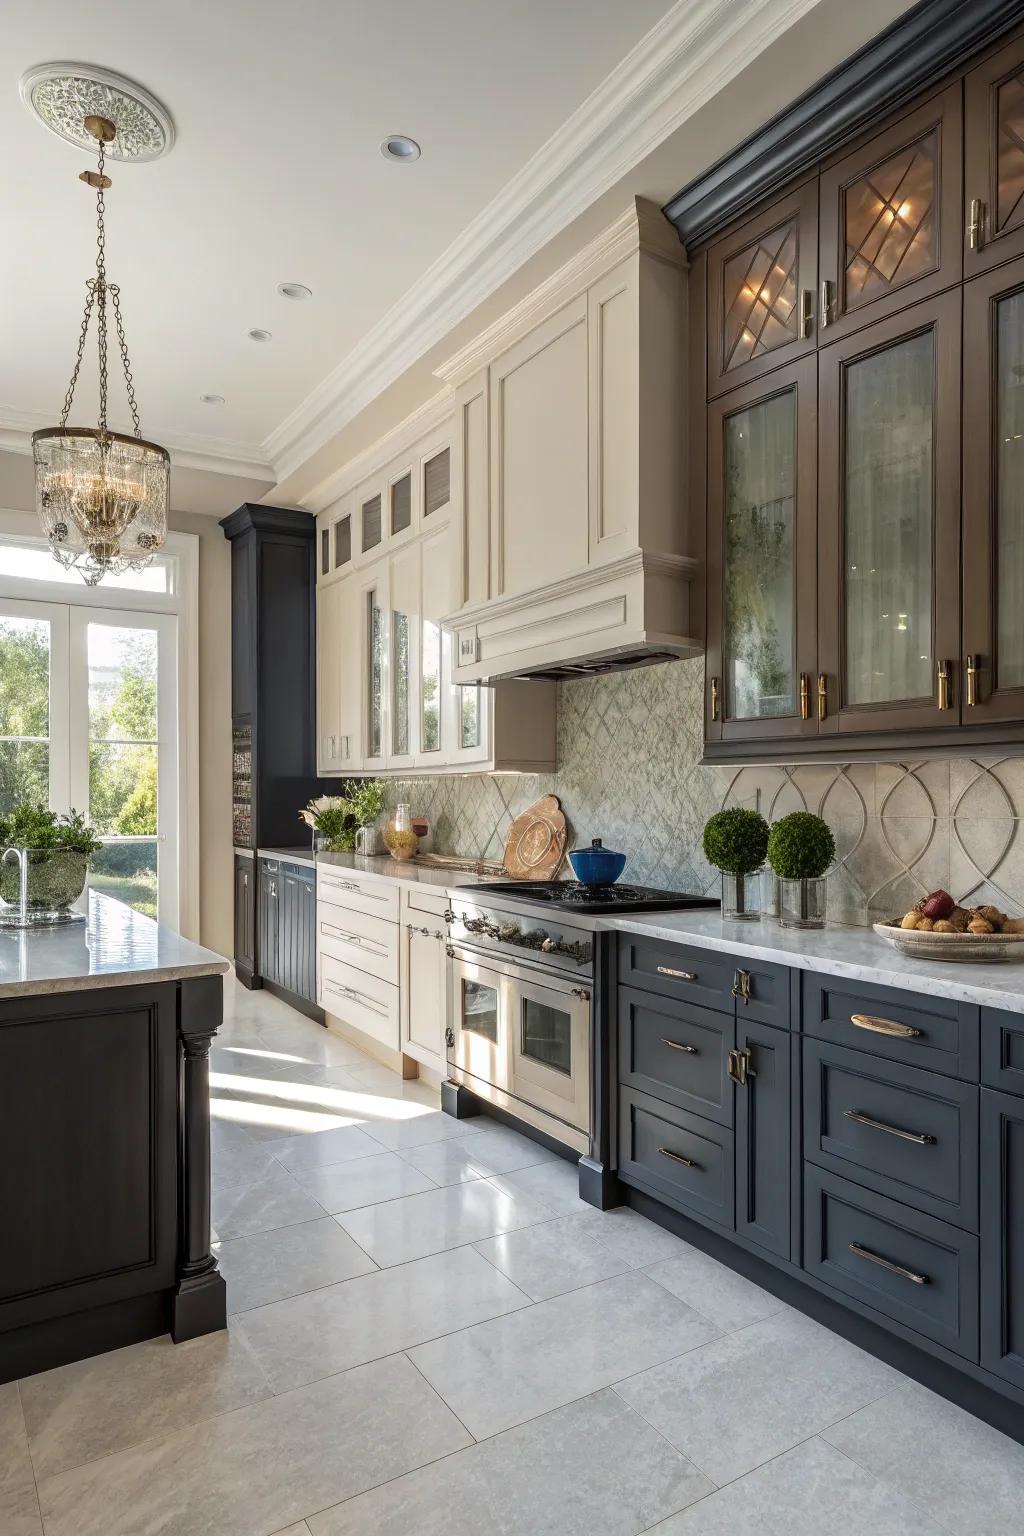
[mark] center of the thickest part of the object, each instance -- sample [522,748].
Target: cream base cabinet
[424,977]
[575,545]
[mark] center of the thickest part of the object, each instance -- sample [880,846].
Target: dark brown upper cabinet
[889,522]
[890,215]
[994,159]
[761,458]
[762,280]
[993,497]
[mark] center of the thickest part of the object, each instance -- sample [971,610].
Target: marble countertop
[384,867]
[838,950]
[115,946]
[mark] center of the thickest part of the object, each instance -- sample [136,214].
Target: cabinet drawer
[707,977]
[343,889]
[368,943]
[362,1001]
[909,1134]
[911,1268]
[676,1051]
[1002,1050]
[429,900]
[933,1032]
[686,1161]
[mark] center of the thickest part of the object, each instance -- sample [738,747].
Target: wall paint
[629,748]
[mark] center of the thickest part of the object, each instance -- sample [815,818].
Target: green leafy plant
[337,818]
[33,826]
[60,849]
[800,847]
[735,840]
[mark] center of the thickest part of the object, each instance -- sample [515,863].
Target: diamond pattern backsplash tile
[629,771]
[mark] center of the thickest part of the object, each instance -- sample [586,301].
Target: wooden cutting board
[535,846]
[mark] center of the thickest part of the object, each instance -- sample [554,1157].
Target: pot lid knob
[595,842]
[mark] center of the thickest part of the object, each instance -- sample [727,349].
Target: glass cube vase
[741,896]
[802,903]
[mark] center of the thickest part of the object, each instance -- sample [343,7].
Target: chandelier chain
[115,299]
[65,413]
[101,291]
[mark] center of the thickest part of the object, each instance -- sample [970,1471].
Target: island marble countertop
[838,950]
[114,947]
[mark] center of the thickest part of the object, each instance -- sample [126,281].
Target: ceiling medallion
[101,496]
[63,95]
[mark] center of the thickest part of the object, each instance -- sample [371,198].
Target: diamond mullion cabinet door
[762,287]
[889,524]
[761,476]
[993,497]
[994,160]
[329,600]
[890,215]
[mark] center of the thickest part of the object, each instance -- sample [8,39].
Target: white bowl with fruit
[938,928]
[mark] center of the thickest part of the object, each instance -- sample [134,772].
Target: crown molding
[425,419]
[692,53]
[188,450]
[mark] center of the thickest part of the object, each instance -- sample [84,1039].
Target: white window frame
[183,604]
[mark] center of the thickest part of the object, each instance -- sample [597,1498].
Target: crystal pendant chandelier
[101,496]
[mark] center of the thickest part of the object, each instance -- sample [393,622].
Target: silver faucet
[19,856]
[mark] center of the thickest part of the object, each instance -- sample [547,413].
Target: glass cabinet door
[762,281]
[761,526]
[889,520]
[993,517]
[890,219]
[994,160]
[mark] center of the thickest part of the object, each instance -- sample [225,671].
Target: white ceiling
[275,175]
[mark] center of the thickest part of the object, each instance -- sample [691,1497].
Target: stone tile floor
[431,1336]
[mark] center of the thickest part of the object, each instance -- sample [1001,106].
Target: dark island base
[105,1171]
[793,1288]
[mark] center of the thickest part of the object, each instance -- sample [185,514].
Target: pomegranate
[938,904]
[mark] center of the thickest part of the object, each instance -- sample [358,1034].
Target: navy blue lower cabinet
[1002,1050]
[763,1183]
[684,1160]
[908,1134]
[677,1051]
[905,1265]
[1002,1235]
[936,1033]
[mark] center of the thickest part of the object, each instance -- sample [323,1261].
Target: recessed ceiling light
[294,291]
[258,335]
[212,399]
[397,146]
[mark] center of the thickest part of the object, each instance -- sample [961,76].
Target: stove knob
[507,932]
[547,946]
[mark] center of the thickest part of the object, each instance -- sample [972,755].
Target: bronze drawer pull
[676,1157]
[666,970]
[894,1269]
[917,1137]
[674,1045]
[884,1026]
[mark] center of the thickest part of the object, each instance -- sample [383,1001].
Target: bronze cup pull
[884,1026]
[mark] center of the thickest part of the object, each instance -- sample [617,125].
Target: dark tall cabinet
[273,698]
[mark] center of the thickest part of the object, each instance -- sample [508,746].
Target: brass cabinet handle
[943,686]
[805,696]
[825,318]
[675,1045]
[972,680]
[741,986]
[822,695]
[677,1157]
[714,698]
[667,970]
[806,312]
[740,1066]
[976,225]
[884,1026]
[861,1252]
[918,1138]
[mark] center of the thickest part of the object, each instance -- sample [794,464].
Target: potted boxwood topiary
[800,849]
[735,841]
[56,851]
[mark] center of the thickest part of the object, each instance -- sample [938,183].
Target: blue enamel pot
[597,865]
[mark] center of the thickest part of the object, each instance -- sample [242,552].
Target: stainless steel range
[522,980]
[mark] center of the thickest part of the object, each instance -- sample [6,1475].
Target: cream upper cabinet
[328,677]
[574,544]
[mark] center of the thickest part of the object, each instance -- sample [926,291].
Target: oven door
[480,1046]
[549,1036]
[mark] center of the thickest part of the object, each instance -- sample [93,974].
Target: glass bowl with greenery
[335,819]
[57,852]
[735,841]
[800,849]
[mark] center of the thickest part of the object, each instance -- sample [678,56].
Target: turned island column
[199,1301]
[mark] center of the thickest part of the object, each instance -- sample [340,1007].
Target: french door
[88,719]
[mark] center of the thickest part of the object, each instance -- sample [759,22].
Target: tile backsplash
[629,748]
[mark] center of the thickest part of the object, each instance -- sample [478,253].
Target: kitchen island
[105,1031]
